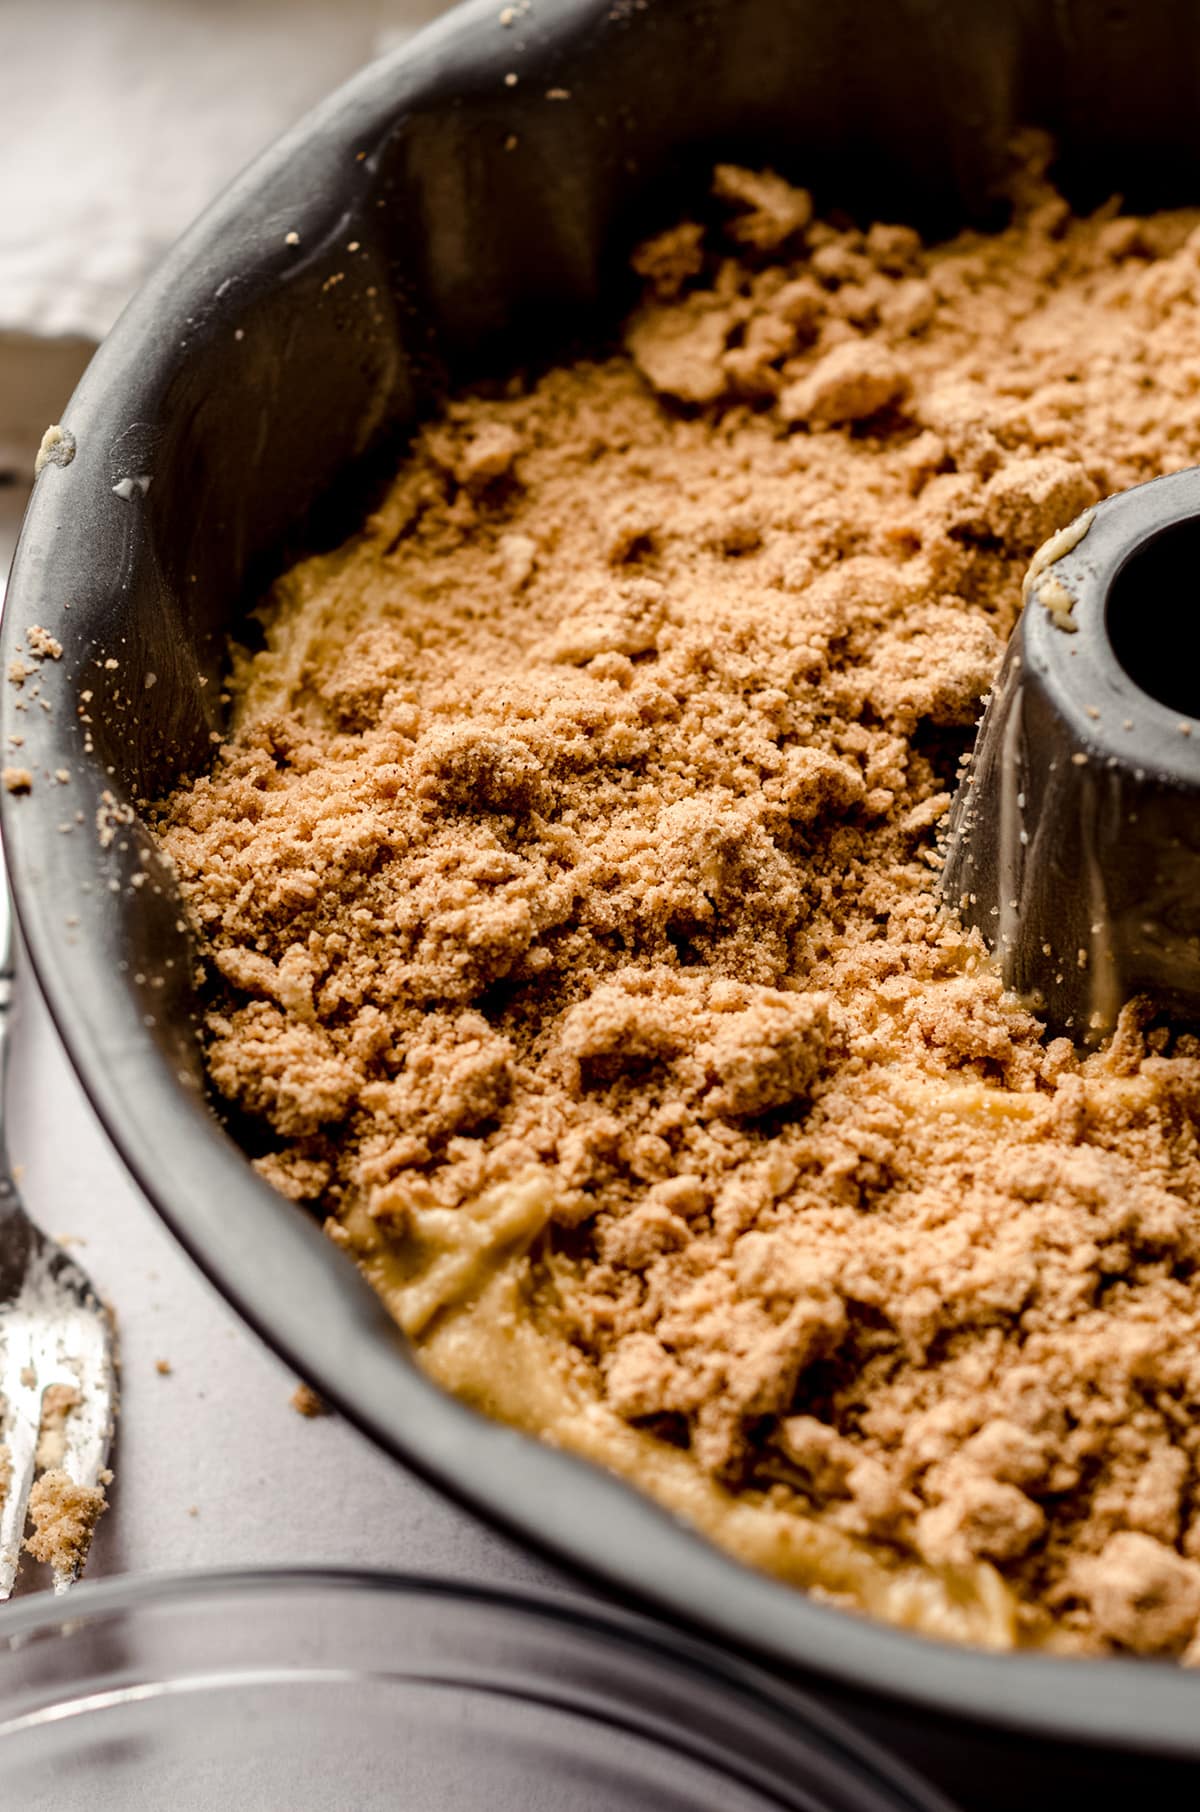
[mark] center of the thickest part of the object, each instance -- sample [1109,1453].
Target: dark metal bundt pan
[223,424]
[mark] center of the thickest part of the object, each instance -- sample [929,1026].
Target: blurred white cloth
[121,119]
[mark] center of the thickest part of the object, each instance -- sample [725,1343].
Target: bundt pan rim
[1092,569]
[190,455]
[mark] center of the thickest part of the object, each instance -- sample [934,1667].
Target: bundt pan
[232,419]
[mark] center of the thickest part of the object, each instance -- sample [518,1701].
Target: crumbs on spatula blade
[64,1517]
[58,1400]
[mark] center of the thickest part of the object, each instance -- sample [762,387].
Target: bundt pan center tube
[432,221]
[1074,841]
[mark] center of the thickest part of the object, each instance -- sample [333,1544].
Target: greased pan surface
[216,431]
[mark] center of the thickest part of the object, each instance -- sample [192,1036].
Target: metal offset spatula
[53,1331]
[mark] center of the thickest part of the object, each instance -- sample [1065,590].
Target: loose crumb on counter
[567,888]
[305,1401]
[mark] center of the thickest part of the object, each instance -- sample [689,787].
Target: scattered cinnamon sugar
[568,885]
[42,645]
[111,815]
[64,1517]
